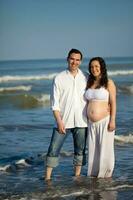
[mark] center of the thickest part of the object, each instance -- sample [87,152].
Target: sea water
[26,123]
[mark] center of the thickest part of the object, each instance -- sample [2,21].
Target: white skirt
[100,149]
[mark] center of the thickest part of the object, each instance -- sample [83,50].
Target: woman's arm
[112,102]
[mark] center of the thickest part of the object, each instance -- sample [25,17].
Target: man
[69,109]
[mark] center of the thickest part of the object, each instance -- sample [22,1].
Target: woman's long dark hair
[104,77]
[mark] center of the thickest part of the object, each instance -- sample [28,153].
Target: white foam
[124,138]
[4,168]
[17,88]
[73,194]
[44,98]
[19,163]
[22,162]
[26,78]
[129,88]
[120,72]
[120,187]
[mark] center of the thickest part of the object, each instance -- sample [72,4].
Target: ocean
[26,123]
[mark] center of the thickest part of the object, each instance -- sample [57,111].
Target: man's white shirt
[68,98]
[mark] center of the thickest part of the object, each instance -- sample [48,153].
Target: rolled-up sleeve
[55,95]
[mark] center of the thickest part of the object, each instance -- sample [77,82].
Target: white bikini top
[100,94]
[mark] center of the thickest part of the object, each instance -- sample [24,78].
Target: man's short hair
[74,51]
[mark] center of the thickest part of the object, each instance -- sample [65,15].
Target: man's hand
[61,127]
[60,124]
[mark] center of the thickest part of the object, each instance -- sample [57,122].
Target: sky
[41,29]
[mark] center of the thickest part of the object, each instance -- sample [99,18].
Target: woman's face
[95,68]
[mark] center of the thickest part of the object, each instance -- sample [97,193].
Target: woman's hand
[111,126]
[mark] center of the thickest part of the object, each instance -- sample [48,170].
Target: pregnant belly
[97,110]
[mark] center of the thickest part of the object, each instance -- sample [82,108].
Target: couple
[84,105]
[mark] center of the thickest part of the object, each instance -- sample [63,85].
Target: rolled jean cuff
[79,160]
[52,161]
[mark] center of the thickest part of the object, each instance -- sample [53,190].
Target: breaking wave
[124,138]
[126,89]
[10,78]
[27,78]
[26,101]
[120,72]
[16,88]
[14,165]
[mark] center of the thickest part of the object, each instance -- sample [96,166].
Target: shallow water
[26,124]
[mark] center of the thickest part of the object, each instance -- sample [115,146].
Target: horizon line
[37,59]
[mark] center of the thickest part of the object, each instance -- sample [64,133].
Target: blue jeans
[57,141]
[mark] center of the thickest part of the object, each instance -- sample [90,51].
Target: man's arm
[55,99]
[60,124]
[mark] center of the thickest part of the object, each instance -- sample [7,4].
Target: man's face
[74,61]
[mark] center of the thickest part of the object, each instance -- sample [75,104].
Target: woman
[101,112]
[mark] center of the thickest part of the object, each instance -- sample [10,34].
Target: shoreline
[82,187]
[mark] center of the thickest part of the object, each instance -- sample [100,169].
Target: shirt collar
[78,73]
